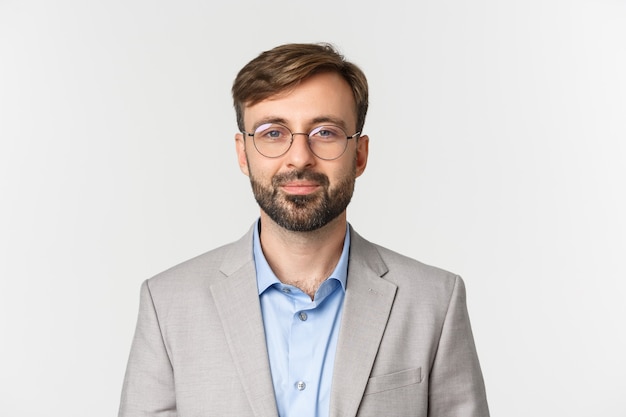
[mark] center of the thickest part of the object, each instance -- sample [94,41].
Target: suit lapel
[366,310]
[237,302]
[367,306]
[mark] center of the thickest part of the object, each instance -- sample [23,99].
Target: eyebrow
[315,121]
[268,119]
[329,119]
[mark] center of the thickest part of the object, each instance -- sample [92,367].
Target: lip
[300,187]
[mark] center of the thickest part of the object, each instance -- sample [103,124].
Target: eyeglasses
[326,142]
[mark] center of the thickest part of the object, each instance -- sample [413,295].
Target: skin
[313,254]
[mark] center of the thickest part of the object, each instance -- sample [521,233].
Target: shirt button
[300,385]
[286,290]
[302,316]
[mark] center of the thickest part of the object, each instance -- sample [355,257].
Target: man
[302,317]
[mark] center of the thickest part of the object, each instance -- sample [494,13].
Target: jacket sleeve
[456,382]
[149,382]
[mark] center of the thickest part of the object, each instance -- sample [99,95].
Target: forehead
[321,95]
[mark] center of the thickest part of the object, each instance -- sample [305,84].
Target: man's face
[297,190]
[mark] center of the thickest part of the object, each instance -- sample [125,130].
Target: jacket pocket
[392,381]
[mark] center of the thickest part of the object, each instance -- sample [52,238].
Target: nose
[299,155]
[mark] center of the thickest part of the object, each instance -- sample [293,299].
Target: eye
[327,133]
[272,132]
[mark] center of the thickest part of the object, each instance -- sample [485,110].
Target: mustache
[285,177]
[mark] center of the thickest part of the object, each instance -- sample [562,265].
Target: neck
[303,259]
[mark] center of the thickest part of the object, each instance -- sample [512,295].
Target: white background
[497,151]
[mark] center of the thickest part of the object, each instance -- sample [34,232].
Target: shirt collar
[265,277]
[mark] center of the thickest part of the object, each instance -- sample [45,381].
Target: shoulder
[401,263]
[204,270]
[408,274]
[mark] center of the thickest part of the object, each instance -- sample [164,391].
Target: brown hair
[285,66]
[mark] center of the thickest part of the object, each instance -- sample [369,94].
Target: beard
[304,213]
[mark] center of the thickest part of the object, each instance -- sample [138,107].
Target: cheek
[342,180]
[348,169]
[260,171]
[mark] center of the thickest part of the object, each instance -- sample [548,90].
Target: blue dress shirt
[301,335]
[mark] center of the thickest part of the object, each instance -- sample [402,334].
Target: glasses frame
[308,140]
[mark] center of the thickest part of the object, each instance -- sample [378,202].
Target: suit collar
[238,254]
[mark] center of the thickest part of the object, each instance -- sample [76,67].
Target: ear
[240,146]
[362,151]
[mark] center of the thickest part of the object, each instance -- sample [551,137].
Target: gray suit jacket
[405,345]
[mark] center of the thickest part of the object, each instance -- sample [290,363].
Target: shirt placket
[302,356]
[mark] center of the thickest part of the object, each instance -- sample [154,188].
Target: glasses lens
[272,140]
[328,142]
